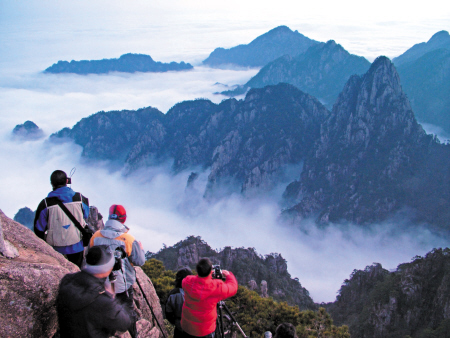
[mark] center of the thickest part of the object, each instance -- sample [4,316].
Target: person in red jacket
[201,295]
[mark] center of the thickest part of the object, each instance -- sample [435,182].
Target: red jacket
[201,296]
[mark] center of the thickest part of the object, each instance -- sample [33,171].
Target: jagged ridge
[249,268]
[249,141]
[373,158]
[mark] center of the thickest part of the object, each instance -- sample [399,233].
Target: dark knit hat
[99,259]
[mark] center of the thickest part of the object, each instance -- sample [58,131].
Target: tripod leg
[222,331]
[233,319]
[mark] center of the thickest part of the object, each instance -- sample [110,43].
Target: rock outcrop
[373,159]
[29,283]
[30,272]
[95,219]
[250,269]
[409,301]
[146,301]
[28,131]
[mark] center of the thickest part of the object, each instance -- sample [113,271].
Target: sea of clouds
[160,209]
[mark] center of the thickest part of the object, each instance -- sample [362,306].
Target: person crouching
[115,234]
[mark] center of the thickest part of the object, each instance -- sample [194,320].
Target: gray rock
[29,283]
[264,289]
[95,219]
[252,285]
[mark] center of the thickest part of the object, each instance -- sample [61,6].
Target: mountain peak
[440,37]
[383,72]
[280,29]
[265,48]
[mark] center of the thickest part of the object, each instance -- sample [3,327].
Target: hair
[182,274]
[58,179]
[204,267]
[285,330]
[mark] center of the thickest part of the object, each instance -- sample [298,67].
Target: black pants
[187,335]
[76,258]
[127,300]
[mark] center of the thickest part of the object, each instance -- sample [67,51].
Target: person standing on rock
[115,235]
[54,226]
[85,308]
[175,301]
[201,295]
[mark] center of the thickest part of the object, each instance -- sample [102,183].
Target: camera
[119,254]
[217,273]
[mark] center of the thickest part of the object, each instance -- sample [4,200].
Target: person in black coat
[175,300]
[85,308]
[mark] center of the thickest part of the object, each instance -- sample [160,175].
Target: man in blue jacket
[53,225]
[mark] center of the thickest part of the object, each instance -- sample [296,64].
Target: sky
[36,34]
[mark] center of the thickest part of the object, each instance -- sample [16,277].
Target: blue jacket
[66,195]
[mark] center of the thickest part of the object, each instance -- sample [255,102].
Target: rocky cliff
[248,142]
[373,159]
[321,71]
[111,135]
[128,63]
[267,275]
[30,272]
[413,300]
[264,49]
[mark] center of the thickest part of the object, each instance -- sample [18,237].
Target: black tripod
[222,306]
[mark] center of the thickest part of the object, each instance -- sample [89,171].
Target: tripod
[222,306]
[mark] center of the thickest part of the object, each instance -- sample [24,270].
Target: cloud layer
[161,211]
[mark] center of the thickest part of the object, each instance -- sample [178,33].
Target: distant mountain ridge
[262,50]
[426,81]
[249,268]
[248,142]
[320,71]
[437,41]
[128,63]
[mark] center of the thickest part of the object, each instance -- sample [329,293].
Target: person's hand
[225,273]
[140,244]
